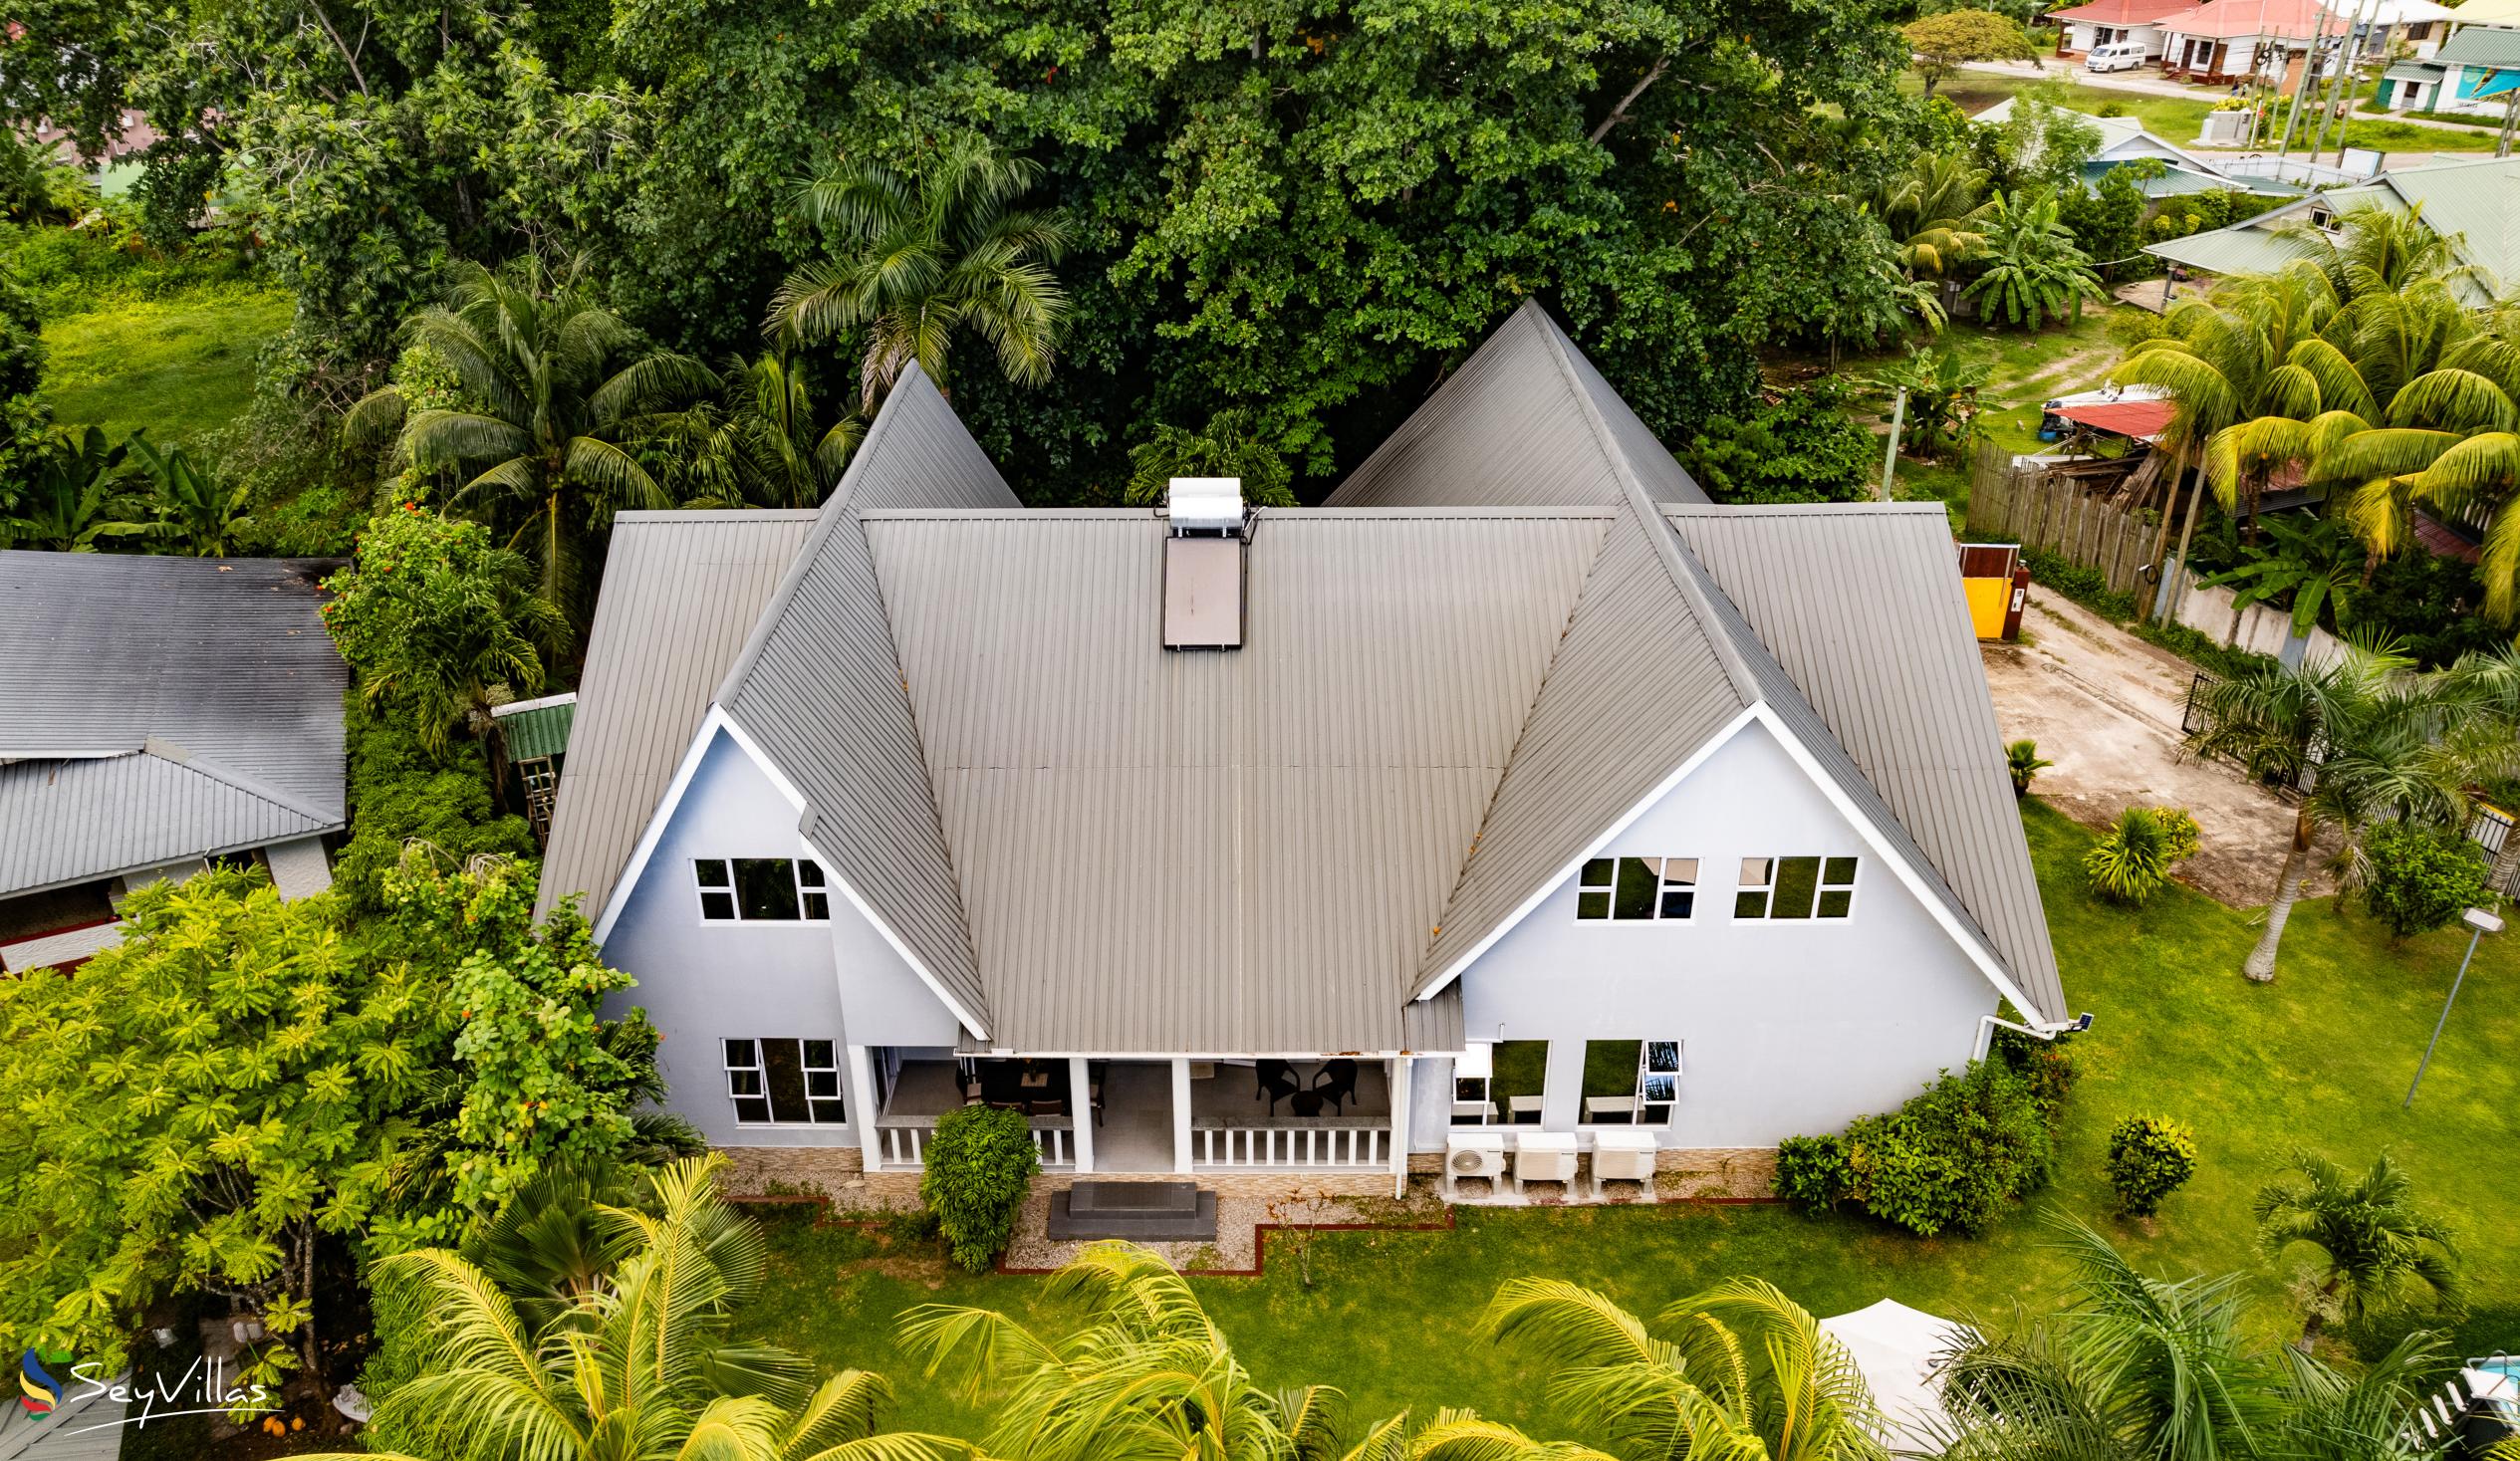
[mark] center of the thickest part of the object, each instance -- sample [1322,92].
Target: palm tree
[2034,271]
[759,440]
[2375,739]
[1739,1373]
[2133,1366]
[563,388]
[922,255]
[1934,209]
[191,508]
[636,1365]
[2375,1241]
[72,502]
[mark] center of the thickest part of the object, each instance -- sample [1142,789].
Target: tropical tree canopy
[1953,37]
[2031,270]
[2374,1244]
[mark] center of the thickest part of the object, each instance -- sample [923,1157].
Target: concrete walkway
[2157,86]
[2104,706]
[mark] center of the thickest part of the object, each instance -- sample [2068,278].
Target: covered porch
[1147,1117]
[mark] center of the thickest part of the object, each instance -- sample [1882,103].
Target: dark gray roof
[1525,422]
[819,689]
[221,667]
[682,592]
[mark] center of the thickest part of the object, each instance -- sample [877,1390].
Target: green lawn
[2179,119]
[2321,1058]
[180,365]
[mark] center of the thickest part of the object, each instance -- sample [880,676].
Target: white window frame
[1664,887]
[1637,1092]
[819,887]
[759,1068]
[1822,885]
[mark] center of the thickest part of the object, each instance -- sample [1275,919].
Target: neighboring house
[2226,41]
[1216,839]
[2477,73]
[2123,140]
[2108,22]
[2476,203]
[156,714]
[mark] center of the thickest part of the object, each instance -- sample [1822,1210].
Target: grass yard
[180,365]
[2179,120]
[2319,1058]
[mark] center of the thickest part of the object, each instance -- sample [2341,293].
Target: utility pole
[2308,69]
[2340,89]
[1890,458]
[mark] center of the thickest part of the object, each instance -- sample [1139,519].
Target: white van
[2115,55]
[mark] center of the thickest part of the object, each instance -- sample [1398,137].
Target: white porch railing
[1220,1146]
[901,1143]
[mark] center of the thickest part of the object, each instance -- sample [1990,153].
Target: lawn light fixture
[2482,923]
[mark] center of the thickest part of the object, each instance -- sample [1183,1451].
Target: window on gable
[785,1081]
[762,889]
[1636,890]
[1795,888]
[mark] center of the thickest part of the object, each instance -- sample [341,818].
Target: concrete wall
[2257,628]
[703,983]
[1790,1027]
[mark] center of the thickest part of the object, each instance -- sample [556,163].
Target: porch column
[1081,1110]
[1181,1114]
[862,1100]
[1401,1079]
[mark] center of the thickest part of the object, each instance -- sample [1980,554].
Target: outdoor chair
[1276,1081]
[1337,1083]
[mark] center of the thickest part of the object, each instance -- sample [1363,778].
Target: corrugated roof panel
[1860,604]
[2480,45]
[1221,851]
[1510,430]
[682,593]
[822,658]
[78,820]
[539,732]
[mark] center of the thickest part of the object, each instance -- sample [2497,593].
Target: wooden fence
[2052,515]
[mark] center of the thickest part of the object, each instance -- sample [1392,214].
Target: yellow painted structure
[1988,598]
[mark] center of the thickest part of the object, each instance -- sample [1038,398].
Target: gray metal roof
[682,592]
[819,689]
[1520,424]
[1859,605]
[224,663]
[1218,850]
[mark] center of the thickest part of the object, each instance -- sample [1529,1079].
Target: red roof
[2144,421]
[2443,541]
[2233,20]
[2123,12]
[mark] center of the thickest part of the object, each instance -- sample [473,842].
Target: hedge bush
[399,792]
[1953,1157]
[979,1170]
[2422,877]
[2149,1157]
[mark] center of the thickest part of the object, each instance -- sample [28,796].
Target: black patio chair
[1336,1084]
[1276,1080]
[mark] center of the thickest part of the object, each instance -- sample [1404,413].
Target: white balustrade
[904,1146]
[1228,1146]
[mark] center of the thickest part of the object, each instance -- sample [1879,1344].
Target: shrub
[1810,1171]
[400,792]
[1952,1158]
[2046,1064]
[979,1170]
[2421,877]
[2023,761]
[2087,587]
[2149,1157]
[1798,446]
[2131,859]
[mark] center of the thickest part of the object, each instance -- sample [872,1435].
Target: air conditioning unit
[1472,1153]
[1622,1157]
[1544,1157]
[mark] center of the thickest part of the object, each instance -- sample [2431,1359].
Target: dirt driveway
[2104,707]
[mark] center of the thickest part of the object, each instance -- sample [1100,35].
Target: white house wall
[1789,1026]
[703,983]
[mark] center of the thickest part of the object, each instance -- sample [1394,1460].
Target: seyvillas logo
[41,1391]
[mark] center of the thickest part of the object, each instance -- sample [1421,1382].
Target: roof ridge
[1667,543]
[174,754]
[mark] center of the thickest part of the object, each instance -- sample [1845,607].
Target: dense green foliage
[2131,859]
[1798,445]
[1952,1158]
[2376,1249]
[402,794]
[980,1165]
[2421,877]
[2149,1157]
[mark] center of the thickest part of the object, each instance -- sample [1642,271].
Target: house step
[1150,1212]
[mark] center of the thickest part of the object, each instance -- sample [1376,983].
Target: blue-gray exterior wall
[1790,1027]
[705,982]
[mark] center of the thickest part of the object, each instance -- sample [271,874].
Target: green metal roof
[540,731]
[2238,250]
[2482,45]
[2415,71]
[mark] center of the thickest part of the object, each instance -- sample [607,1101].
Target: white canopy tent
[1896,1348]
